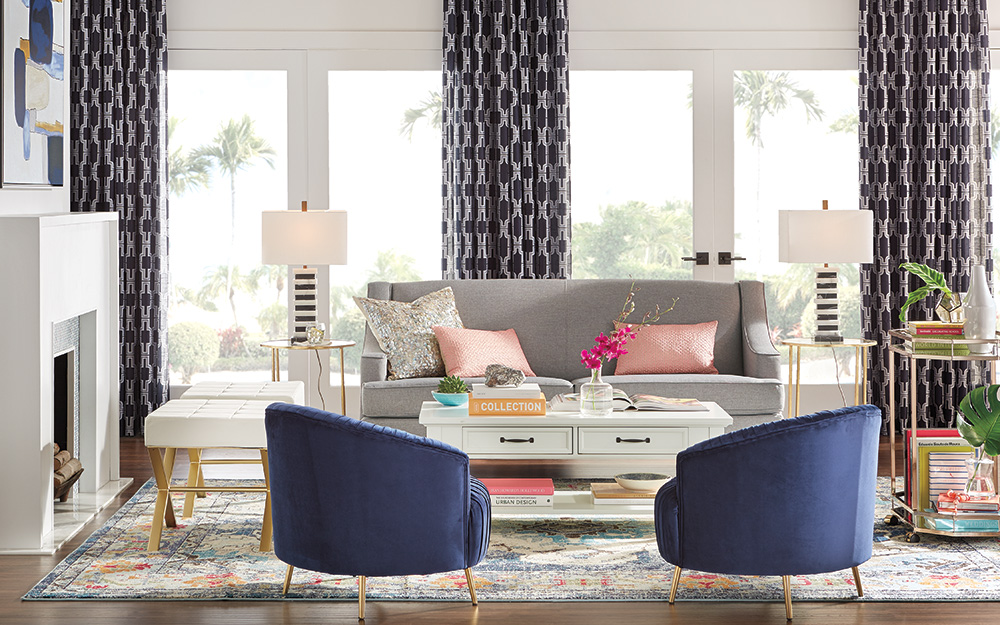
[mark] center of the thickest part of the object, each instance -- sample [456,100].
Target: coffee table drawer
[625,441]
[513,440]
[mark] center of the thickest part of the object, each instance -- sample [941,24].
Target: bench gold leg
[163,503]
[194,472]
[168,470]
[472,586]
[674,583]
[265,529]
[288,579]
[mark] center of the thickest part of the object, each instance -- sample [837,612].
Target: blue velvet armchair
[353,498]
[790,497]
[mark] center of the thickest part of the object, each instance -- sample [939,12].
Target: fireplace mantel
[53,268]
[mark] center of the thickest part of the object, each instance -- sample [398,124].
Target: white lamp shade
[295,237]
[825,236]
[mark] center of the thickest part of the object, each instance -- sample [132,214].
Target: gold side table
[795,368]
[276,346]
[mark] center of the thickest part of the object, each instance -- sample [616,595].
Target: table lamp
[826,236]
[307,238]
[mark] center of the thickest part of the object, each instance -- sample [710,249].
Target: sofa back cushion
[556,319]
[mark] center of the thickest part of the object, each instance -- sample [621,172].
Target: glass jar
[980,484]
[596,396]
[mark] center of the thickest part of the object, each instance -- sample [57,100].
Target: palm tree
[226,281]
[430,108]
[390,266]
[186,171]
[236,147]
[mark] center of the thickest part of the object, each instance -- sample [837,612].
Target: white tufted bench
[198,424]
[293,392]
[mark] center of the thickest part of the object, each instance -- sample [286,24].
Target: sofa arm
[760,358]
[374,367]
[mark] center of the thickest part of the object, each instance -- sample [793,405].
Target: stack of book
[935,337]
[952,505]
[610,493]
[526,492]
[506,401]
[929,440]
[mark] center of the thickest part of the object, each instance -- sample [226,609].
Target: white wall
[22,200]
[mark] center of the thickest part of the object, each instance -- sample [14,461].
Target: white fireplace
[56,271]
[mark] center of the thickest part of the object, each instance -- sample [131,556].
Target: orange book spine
[480,407]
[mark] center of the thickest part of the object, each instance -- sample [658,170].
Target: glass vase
[980,484]
[596,396]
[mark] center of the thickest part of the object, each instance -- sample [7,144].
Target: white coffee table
[627,436]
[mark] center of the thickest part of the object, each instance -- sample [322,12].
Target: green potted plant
[950,308]
[979,424]
[451,391]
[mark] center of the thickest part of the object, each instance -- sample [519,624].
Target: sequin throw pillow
[403,331]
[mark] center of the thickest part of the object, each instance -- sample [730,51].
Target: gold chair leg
[472,586]
[288,579]
[674,583]
[857,581]
[361,597]
[194,456]
[786,581]
[265,528]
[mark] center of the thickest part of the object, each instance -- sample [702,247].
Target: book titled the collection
[525,492]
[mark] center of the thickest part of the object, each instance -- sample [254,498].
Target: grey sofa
[555,319]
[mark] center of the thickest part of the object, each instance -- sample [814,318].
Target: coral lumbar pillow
[671,348]
[467,353]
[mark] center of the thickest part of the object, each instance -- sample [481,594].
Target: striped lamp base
[827,306]
[304,306]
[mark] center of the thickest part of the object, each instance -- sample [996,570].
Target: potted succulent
[979,424]
[451,391]
[950,307]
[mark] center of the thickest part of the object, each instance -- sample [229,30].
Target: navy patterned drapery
[924,113]
[118,111]
[505,125]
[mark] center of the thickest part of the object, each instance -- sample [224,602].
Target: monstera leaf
[933,281]
[979,418]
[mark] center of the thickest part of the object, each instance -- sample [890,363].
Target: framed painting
[34,86]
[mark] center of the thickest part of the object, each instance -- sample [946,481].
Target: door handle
[727,258]
[700,258]
[517,440]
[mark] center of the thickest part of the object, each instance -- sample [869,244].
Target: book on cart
[935,328]
[938,438]
[529,390]
[621,401]
[507,407]
[951,502]
[962,525]
[610,493]
[520,492]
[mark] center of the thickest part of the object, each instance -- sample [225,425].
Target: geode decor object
[502,375]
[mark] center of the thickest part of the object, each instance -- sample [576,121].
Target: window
[795,145]
[631,134]
[385,170]
[227,162]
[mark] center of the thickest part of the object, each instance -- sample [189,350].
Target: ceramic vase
[980,312]
[596,396]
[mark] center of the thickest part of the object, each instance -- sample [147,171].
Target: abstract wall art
[33,92]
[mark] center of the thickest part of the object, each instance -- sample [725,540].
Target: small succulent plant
[452,384]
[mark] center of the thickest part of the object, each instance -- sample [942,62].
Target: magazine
[621,401]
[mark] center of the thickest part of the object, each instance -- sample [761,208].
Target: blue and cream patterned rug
[214,555]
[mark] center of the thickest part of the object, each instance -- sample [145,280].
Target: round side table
[276,346]
[795,368]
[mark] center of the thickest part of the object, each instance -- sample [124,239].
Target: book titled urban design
[520,492]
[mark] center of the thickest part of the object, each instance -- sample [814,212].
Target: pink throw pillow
[467,353]
[670,349]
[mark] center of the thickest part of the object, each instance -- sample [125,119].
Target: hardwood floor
[20,573]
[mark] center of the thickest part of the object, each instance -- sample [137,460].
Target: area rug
[214,555]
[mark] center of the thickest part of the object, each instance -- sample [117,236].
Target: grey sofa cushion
[736,394]
[402,398]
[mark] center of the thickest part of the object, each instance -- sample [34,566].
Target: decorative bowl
[451,399]
[641,481]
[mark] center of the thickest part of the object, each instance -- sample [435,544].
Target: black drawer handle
[517,440]
[619,439]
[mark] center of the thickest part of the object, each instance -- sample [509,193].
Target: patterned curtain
[118,111]
[924,70]
[505,125]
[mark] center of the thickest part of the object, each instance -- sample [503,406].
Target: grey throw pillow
[404,331]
